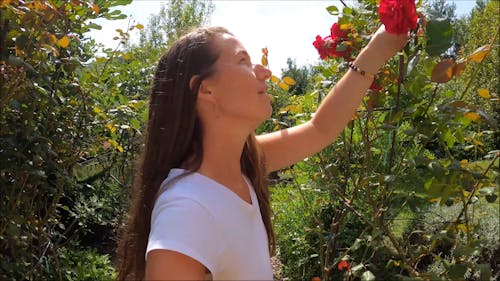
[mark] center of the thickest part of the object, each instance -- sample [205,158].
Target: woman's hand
[387,44]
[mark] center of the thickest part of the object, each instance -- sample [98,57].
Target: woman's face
[239,87]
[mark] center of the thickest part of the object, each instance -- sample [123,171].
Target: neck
[222,149]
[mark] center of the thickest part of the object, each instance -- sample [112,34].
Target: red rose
[336,32]
[398,16]
[344,265]
[319,44]
[329,47]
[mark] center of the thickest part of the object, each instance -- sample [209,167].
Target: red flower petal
[398,16]
[337,33]
[343,265]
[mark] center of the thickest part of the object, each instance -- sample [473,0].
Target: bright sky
[286,28]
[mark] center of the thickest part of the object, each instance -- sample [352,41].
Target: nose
[263,73]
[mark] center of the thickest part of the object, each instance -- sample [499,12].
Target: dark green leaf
[485,270]
[439,34]
[457,271]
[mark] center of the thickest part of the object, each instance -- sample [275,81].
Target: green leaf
[436,169]
[333,10]
[411,65]
[485,270]
[367,276]
[346,10]
[457,271]
[357,268]
[439,34]
[94,26]
[449,138]
[121,2]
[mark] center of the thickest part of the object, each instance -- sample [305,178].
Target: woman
[211,215]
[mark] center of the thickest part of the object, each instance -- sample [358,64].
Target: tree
[442,9]
[173,20]
[46,120]
[300,75]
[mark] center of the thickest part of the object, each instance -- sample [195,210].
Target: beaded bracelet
[360,71]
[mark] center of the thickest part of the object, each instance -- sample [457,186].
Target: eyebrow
[243,52]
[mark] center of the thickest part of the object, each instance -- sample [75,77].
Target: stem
[393,139]
[432,99]
[346,202]
[474,189]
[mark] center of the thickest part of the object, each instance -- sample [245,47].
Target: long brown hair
[174,137]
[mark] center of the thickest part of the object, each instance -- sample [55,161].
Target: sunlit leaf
[264,61]
[458,68]
[479,54]
[411,65]
[367,276]
[333,10]
[63,42]
[346,26]
[484,93]
[289,80]
[52,38]
[111,127]
[126,56]
[284,86]
[139,26]
[96,9]
[472,116]
[51,48]
[119,148]
[443,71]
[477,142]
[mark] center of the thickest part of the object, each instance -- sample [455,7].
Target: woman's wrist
[369,60]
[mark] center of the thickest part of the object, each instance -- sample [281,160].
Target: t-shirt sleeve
[185,226]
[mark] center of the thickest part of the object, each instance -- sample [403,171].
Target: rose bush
[420,141]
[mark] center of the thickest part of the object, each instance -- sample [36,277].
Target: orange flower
[344,265]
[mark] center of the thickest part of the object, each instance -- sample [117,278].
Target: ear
[204,92]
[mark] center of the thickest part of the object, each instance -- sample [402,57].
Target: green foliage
[71,128]
[173,20]
[300,75]
[86,265]
[299,238]
[414,149]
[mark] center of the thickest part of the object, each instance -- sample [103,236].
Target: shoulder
[182,184]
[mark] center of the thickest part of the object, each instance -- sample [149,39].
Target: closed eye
[245,61]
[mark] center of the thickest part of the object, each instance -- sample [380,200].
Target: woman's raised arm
[286,147]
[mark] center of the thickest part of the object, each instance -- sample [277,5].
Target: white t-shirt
[200,218]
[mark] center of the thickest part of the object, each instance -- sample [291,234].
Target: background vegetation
[408,191]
